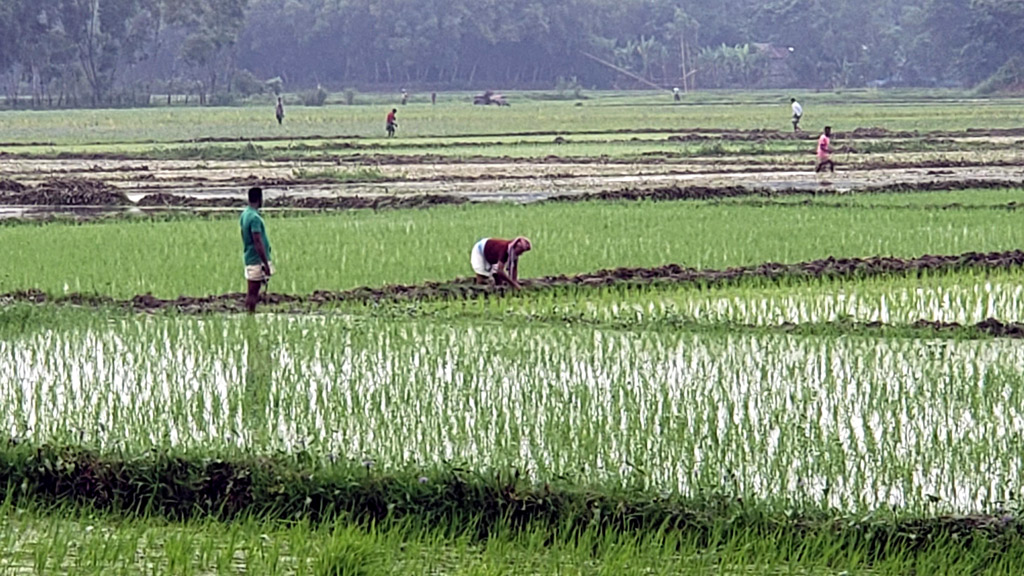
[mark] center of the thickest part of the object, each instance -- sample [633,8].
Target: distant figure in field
[392,123]
[433,98]
[798,113]
[498,259]
[255,249]
[675,94]
[825,152]
[405,97]
[279,111]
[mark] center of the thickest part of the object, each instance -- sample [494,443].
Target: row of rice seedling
[69,541]
[962,297]
[641,147]
[851,423]
[199,256]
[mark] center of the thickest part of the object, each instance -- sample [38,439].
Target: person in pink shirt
[825,152]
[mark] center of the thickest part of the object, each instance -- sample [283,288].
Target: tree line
[104,52]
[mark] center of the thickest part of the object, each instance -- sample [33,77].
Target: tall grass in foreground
[66,540]
[196,256]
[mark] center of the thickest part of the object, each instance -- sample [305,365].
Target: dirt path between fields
[467,289]
[677,135]
[91,197]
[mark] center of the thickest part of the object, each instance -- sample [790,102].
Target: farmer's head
[256,197]
[521,244]
[828,130]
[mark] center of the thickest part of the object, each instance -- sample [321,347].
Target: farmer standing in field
[392,123]
[498,259]
[798,113]
[279,111]
[825,152]
[255,249]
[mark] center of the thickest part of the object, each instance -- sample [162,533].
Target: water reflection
[855,422]
[259,369]
[963,303]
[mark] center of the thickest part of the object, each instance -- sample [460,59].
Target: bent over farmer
[498,259]
[255,249]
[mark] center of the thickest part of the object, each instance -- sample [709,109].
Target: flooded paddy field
[719,363]
[328,156]
[854,423]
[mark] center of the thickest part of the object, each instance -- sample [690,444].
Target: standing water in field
[853,422]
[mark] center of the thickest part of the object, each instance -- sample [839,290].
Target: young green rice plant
[842,422]
[964,297]
[200,256]
[347,553]
[603,112]
[66,540]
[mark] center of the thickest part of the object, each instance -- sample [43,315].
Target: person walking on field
[798,113]
[498,259]
[825,152]
[255,249]
[392,123]
[279,111]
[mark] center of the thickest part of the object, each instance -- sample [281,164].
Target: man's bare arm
[499,273]
[257,240]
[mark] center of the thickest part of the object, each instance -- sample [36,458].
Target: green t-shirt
[251,221]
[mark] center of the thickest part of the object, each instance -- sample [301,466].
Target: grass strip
[302,486]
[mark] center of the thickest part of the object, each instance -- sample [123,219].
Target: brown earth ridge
[466,289]
[85,192]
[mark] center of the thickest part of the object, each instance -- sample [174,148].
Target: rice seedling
[962,297]
[602,113]
[67,540]
[701,447]
[199,256]
[849,423]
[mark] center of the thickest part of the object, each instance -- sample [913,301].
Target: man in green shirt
[255,249]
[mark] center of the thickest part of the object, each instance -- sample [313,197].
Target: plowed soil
[720,192]
[81,192]
[62,192]
[465,289]
[307,203]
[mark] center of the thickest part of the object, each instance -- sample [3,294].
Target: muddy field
[467,289]
[869,159]
[89,198]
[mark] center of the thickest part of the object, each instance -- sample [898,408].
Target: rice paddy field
[718,363]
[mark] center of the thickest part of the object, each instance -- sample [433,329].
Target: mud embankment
[668,193]
[62,192]
[95,193]
[307,487]
[467,289]
[163,200]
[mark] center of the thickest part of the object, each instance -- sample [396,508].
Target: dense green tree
[103,48]
[995,37]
